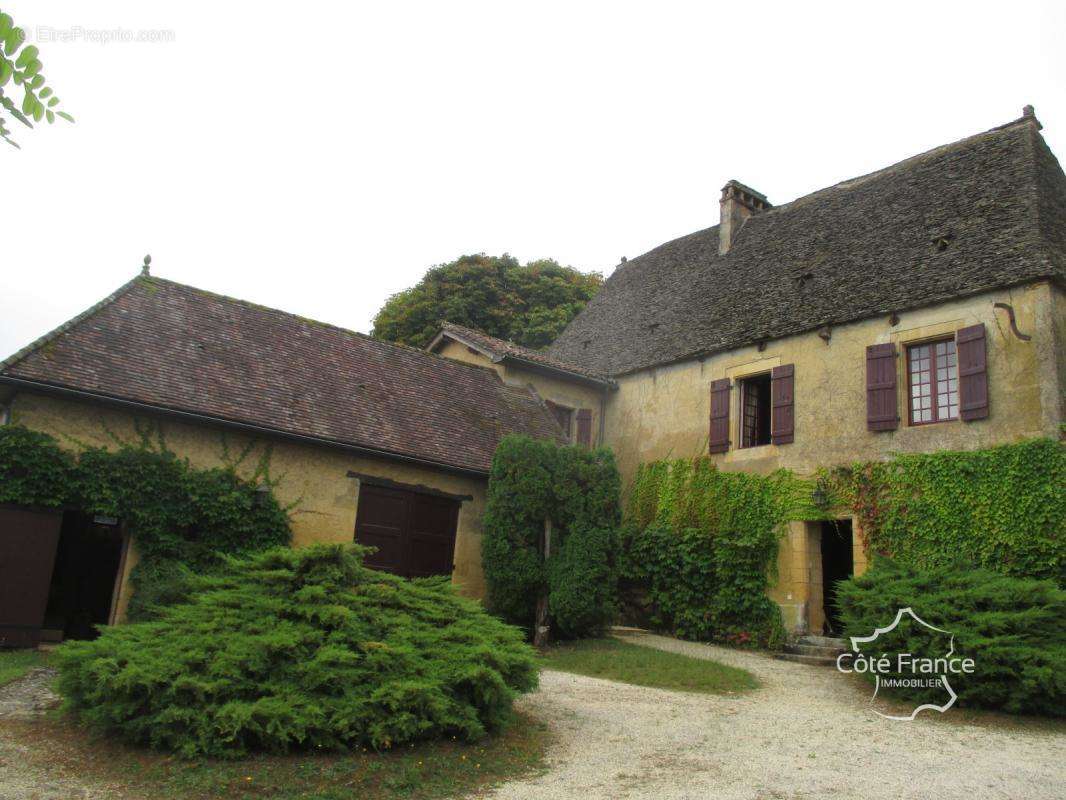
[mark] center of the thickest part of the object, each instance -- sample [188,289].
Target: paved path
[808,732]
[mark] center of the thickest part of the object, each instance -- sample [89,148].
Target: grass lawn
[16,663]
[439,770]
[646,666]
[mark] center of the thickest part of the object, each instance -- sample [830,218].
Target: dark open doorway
[837,565]
[84,582]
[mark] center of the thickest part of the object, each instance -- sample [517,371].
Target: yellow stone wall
[664,412]
[314,479]
[563,392]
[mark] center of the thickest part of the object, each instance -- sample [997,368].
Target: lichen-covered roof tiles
[985,212]
[178,348]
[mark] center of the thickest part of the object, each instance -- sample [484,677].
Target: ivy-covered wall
[313,481]
[182,518]
[701,548]
[1002,508]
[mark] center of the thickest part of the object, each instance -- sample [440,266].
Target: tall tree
[528,304]
[21,66]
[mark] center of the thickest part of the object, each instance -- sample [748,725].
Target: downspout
[603,415]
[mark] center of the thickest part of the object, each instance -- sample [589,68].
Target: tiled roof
[499,350]
[179,348]
[982,213]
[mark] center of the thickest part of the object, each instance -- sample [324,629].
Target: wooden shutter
[973,372]
[782,404]
[720,416]
[882,399]
[584,427]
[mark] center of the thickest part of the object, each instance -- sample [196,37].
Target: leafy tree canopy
[21,66]
[528,304]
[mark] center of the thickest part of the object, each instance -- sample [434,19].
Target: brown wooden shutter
[584,427]
[783,406]
[973,372]
[720,416]
[882,400]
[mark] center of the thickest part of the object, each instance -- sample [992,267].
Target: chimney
[738,203]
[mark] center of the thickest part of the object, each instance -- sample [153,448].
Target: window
[755,410]
[564,416]
[934,382]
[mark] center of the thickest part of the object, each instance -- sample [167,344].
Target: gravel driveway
[807,733]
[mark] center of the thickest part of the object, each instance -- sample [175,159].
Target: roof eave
[445,334]
[497,357]
[547,369]
[55,333]
[1050,277]
[247,427]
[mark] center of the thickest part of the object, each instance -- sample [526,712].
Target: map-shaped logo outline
[855,640]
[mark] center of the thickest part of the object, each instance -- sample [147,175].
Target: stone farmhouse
[917,308]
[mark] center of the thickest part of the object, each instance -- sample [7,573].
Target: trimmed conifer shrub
[1014,629]
[577,489]
[300,649]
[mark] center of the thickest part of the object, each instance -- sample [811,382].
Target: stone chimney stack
[738,203]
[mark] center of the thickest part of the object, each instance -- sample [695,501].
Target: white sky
[318,157]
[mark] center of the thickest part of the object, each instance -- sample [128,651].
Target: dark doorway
[837,565]
[414,533]
[86,572]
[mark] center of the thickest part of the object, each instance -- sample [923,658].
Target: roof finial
[144,269]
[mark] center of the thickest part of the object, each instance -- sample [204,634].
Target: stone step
[813,650]
[814,661]
[824,641]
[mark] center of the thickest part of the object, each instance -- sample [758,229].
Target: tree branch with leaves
[21,66]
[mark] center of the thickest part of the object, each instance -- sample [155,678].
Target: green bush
[1002,508]
[1013,628]
[577,489]
[700,546]
[300,649]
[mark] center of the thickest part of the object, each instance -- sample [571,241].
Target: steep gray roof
[985,212]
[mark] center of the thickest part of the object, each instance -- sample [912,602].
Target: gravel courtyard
[807,733]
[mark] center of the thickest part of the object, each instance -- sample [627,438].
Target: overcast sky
[318,157]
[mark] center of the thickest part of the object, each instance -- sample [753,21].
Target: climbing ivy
[1002,508]
[182,518]
[577,489]
[700,546]
[34,471]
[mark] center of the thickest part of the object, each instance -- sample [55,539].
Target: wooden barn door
[414,533]
[28,540]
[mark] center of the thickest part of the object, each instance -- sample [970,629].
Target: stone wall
[314,478]
[664,412]
[563,392]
